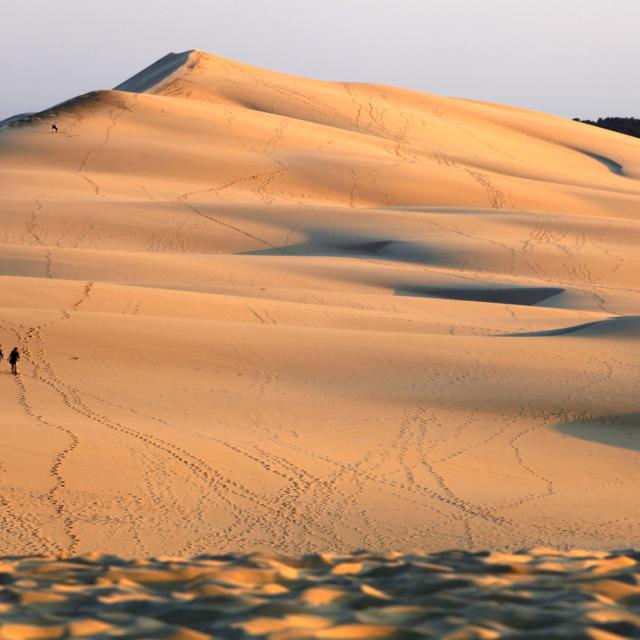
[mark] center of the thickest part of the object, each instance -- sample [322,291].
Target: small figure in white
[54,127]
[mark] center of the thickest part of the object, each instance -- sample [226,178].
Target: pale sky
[569,57]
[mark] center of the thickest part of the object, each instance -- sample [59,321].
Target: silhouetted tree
[628,126]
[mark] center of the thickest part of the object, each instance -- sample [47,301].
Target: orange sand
[263,312]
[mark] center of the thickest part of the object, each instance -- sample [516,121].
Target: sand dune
[264,312]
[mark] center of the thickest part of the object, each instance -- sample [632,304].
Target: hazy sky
[570,57]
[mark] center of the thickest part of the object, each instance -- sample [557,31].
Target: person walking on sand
[54,127]
[14,356]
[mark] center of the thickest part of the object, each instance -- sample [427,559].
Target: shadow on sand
[499,295]
[621,431]
[611,165]
[621,327]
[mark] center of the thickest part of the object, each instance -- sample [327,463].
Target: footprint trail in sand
[263,312]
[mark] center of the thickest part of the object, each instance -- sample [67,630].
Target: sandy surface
[536,594]
[264,312]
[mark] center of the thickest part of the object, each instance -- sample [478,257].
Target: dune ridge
[261,312]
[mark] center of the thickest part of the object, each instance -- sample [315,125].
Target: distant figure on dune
[1,353]
[14,356]
[54,127]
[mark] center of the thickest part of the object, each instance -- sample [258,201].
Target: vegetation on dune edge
[628,126]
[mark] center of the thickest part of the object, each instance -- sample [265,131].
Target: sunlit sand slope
[262,312]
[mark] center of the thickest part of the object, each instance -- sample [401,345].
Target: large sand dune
[263,312]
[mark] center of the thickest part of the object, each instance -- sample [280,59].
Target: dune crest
[264,312]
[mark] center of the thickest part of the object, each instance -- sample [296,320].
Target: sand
[260,312]
[453,595]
